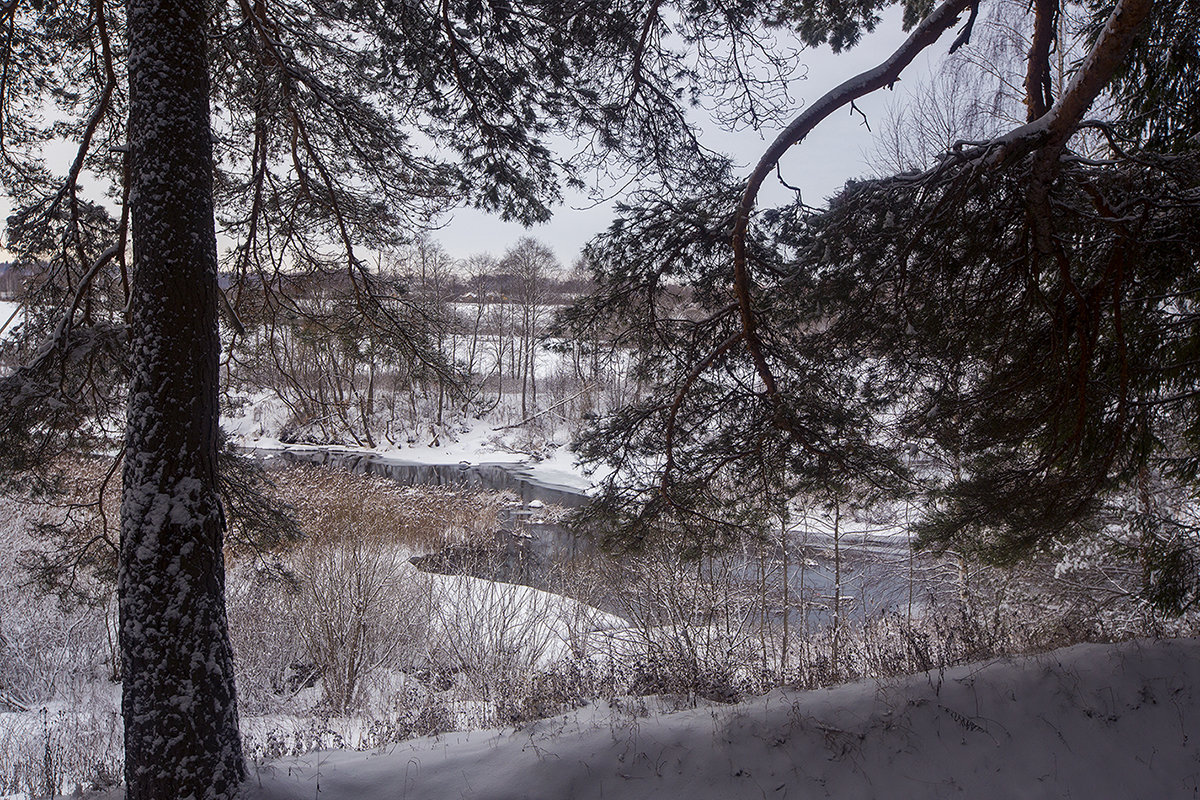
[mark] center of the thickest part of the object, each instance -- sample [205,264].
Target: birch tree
[532,265]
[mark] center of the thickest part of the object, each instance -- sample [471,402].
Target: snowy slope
[1090,721]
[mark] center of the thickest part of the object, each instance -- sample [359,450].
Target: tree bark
[179,704]
[1038,97]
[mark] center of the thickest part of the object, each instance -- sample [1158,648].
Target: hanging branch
[673,414]
[885,74]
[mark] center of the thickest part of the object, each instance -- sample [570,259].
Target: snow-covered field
[1090,721]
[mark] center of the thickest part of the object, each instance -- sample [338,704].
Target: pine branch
[884,74]
[1037,67]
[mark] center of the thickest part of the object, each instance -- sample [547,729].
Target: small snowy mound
[1094,721]
[481,620]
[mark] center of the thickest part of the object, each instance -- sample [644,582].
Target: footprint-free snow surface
[1090,721]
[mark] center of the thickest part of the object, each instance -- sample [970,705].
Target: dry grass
[421,518]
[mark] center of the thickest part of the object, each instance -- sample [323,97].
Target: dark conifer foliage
[1157,103]
[703,448]
[1010,333]
[1048,382]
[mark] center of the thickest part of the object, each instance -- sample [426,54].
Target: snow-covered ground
[479,443]
[1089,721]
[10,317]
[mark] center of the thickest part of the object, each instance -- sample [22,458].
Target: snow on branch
[885,74]
[1048,134]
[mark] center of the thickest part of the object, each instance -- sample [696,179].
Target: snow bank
[508,617]
[1095,721]
[475,444]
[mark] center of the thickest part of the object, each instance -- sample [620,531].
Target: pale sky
[834,153]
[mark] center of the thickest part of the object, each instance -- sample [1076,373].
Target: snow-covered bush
[495,637]
[360,609]
[341,623]
[702,627]
[269,655]
[50,648]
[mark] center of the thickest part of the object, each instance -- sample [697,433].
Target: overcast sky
[835,152]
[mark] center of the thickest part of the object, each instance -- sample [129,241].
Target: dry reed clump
[51,753]
[421,518]
[342,608]
[75,529]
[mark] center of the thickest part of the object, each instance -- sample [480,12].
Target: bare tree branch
[1037,71]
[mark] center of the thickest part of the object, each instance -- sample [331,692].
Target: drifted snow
[1090,721]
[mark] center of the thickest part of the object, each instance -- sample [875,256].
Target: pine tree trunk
[179,706]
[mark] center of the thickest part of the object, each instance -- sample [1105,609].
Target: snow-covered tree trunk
[179,706]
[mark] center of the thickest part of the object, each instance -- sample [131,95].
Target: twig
[854,109]
[10,701]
